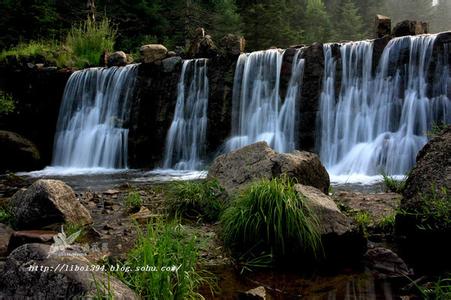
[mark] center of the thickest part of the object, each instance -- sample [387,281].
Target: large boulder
[238,168]
[31,273]
[118,59]
[408,27]
[152,53]
[202,45]
[5,236]
[17,153]
[340,237]
[170,63]
[47,202]
[431,172]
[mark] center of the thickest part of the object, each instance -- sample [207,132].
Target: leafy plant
[440,289]
[394,185]
[387,223]
[271,217]
[133,201]
[89,39]
[72,228]
[196,200]
[436,129]
[164,246]
[434,209]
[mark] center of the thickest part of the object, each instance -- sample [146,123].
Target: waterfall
[91,131]
[258,113]
[377,124]
[185,141]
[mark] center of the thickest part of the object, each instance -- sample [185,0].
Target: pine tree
[317,24]
[349,25]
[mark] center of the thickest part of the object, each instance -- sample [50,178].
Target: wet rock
[385,263]
[232,44]
[144,215]
[258,293]
[202,45]
[5,235]
[47,202]
[341,239]
[19,238]
[17,153]
[408,27]
[238,168]
[21,279]
[169,64]
[382,26]
[118,59]
[152,53]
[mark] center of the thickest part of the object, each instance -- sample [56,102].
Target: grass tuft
[200,201]
[164,245]
[5,216]
[133,201]
[394,185]
[269,217]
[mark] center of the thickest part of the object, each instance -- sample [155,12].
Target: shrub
[363,220]
[133,201]
[434,210]
[387,223]
[75,229]
[441,289]
[394,185]
[89,39]
[163,245]
[269,217]
[196,200]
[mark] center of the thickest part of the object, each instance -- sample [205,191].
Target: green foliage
[164,245]
[363,221]
[317,24]
[394,185]
[436,129]
[434,210]
[133,201]
[349,25]
[71,228]
[5,216]
[387,223]
[89,39]
[6,103]
[196,200]
[269,217]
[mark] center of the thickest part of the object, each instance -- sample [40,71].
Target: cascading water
[378,124]
[90,130]
[186,137]
[258,112]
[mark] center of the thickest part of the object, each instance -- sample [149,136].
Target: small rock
[118,59]
[171,54]
[23,237]
[39,66]
[385,263]
[144,215]
[408,27]
[47,202]
[111,192]
[258,293]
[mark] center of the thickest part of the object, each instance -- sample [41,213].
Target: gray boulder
[23,277]
[241,167]
[47,202]
[5,236]
[170,63]
[408,27]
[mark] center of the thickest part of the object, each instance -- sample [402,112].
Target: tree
[350,24]
[441,16]
[317,22]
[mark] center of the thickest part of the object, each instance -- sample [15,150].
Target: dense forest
[264,23]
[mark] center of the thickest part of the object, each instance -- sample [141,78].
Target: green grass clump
[89,39]
[5,216]
[394,185]
[363,220]
[441,289]
[270,217]
[72,228]
[201,200]
[434,210]
[164,245]
[133,201]
[387,223]
[6,103]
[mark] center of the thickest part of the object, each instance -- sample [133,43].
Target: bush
[5,216]
[434,210]
[89,39]
[164,245]
[196,200]
[270,217]
[133,201]
[363,221]
[441,289]
[6,103]
[394,185]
